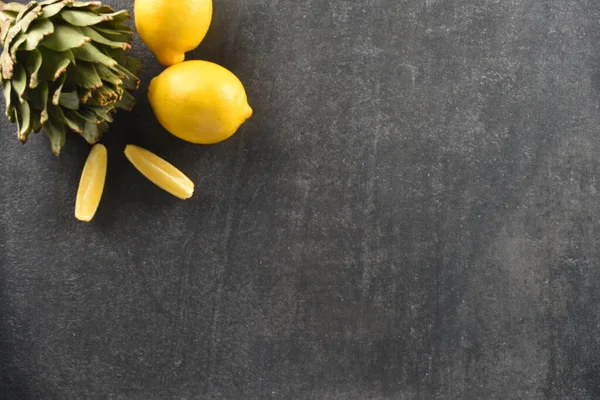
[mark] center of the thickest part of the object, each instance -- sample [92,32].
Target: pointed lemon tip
[171,58]
[248,112]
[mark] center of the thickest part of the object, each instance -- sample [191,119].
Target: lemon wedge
[91,184]
[160,172]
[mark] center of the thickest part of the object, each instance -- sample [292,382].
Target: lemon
[170,28]
[91,184]
[199,101]
[160,172]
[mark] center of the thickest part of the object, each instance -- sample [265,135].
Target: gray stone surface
[412,213]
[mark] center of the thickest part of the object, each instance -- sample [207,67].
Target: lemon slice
[160,172]
[91,184]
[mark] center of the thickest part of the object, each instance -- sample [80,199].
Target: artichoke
[65,67]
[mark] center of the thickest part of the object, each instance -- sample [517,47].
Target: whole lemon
[170,28]
[199,101]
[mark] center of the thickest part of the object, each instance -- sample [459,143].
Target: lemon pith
[199,101]
[91,184]
[160,172]
[170,28]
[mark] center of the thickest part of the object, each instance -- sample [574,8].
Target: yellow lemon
[160,172]
[199,101]
[91,184]
[170,28]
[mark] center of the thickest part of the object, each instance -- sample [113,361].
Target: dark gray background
[412,213]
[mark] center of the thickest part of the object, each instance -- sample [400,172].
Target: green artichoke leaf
[88,115]
[19,81]
[114,26]
[10,110]
[38,30]
[32,61]
[119,27]
[83,18]
[49,2]
[16,43]
[58,90]
[102,113]
[12,34]
[103,127]
[7,89]
[6,25]
[91,132]
[52,9]
[42,94]
[105,96]
[38,102]
[36,96]
[7,65]
[8,15]
[85,94]
[69,100]
[31,16]
[126,103]
[36,125]
[23,116]
[98,38]
[73,123]
[54,64]
[117,36]
[104,9]
[13,8]
[131,82]
[85,4]
[65,37]
[55,130]
[75,119]
[107,75]
[30,10]
[69,54]
[90,53]
[134,65]
[85,76]
[29,7]
[119,17]
[92,102]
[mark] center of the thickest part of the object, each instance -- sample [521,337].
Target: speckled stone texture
[412,213]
